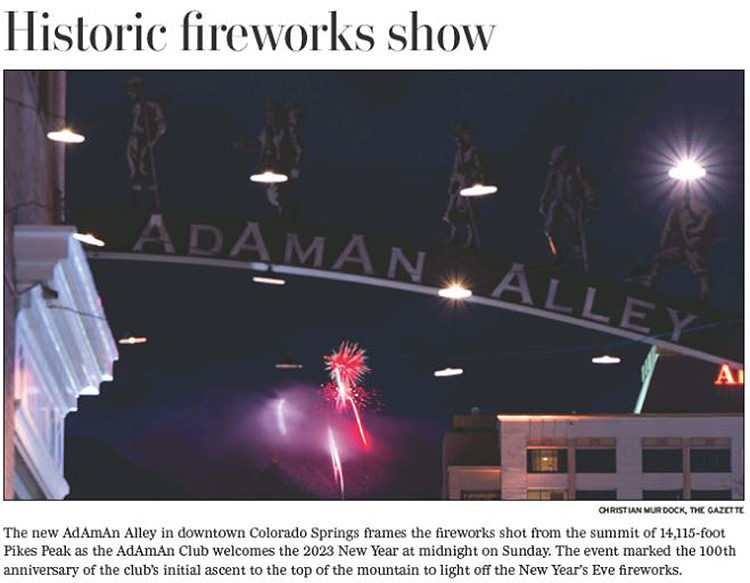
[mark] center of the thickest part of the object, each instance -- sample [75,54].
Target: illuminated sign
[727,378]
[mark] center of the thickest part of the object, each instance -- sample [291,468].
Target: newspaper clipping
[321,291]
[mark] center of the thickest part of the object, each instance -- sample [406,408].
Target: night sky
[187,413]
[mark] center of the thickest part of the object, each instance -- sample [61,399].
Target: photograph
[374,285]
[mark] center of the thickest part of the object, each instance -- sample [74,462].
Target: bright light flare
[66,136]
[280,419]
[89,239]
[478,190]
[269,177]
[338,472]
[606,359]
[455,291]
[132,340]
[448,372]
[687,170]
[269,280]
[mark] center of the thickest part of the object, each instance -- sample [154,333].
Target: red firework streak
[347,367]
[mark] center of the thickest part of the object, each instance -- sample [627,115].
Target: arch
[623,310]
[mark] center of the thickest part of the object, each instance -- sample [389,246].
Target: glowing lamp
[269,177]
[89,239]
[687,170]
[448,371]
[65,136]
[132,340]
[478,190]
[268,280]
[455,292]
[606,359]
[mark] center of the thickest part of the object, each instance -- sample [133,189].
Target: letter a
[357,242]
[258,244]
[725,376]
[522,287]
[155,222]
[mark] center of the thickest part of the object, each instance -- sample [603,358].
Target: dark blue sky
[377,159]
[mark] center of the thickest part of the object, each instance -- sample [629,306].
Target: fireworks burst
[366,399]
[347,364]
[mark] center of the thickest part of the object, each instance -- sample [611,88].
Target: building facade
[57,342]
[621,457]
[604,457]
[471,459]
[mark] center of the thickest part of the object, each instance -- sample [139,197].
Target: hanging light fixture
[455,291]
[448,371]
[687,170]
[269,280]
[478,189]
[89,239]
[132,340]
[288,364]
[269,177]
[606,359]
[65,136]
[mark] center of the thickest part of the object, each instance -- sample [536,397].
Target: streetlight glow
[66,136]
[687,170]
[448,372]
[478,190]
[455,291]
[89,239]
[269,177]
[606,359]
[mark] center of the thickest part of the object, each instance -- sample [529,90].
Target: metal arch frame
[411,287]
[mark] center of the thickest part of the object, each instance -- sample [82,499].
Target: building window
[710,460]
[596,461]
[662,460]
[547,495]
[596,494]
[480,494]
[543,461]
[711,494]
[662,494]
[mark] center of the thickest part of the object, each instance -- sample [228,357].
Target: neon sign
[726,377]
